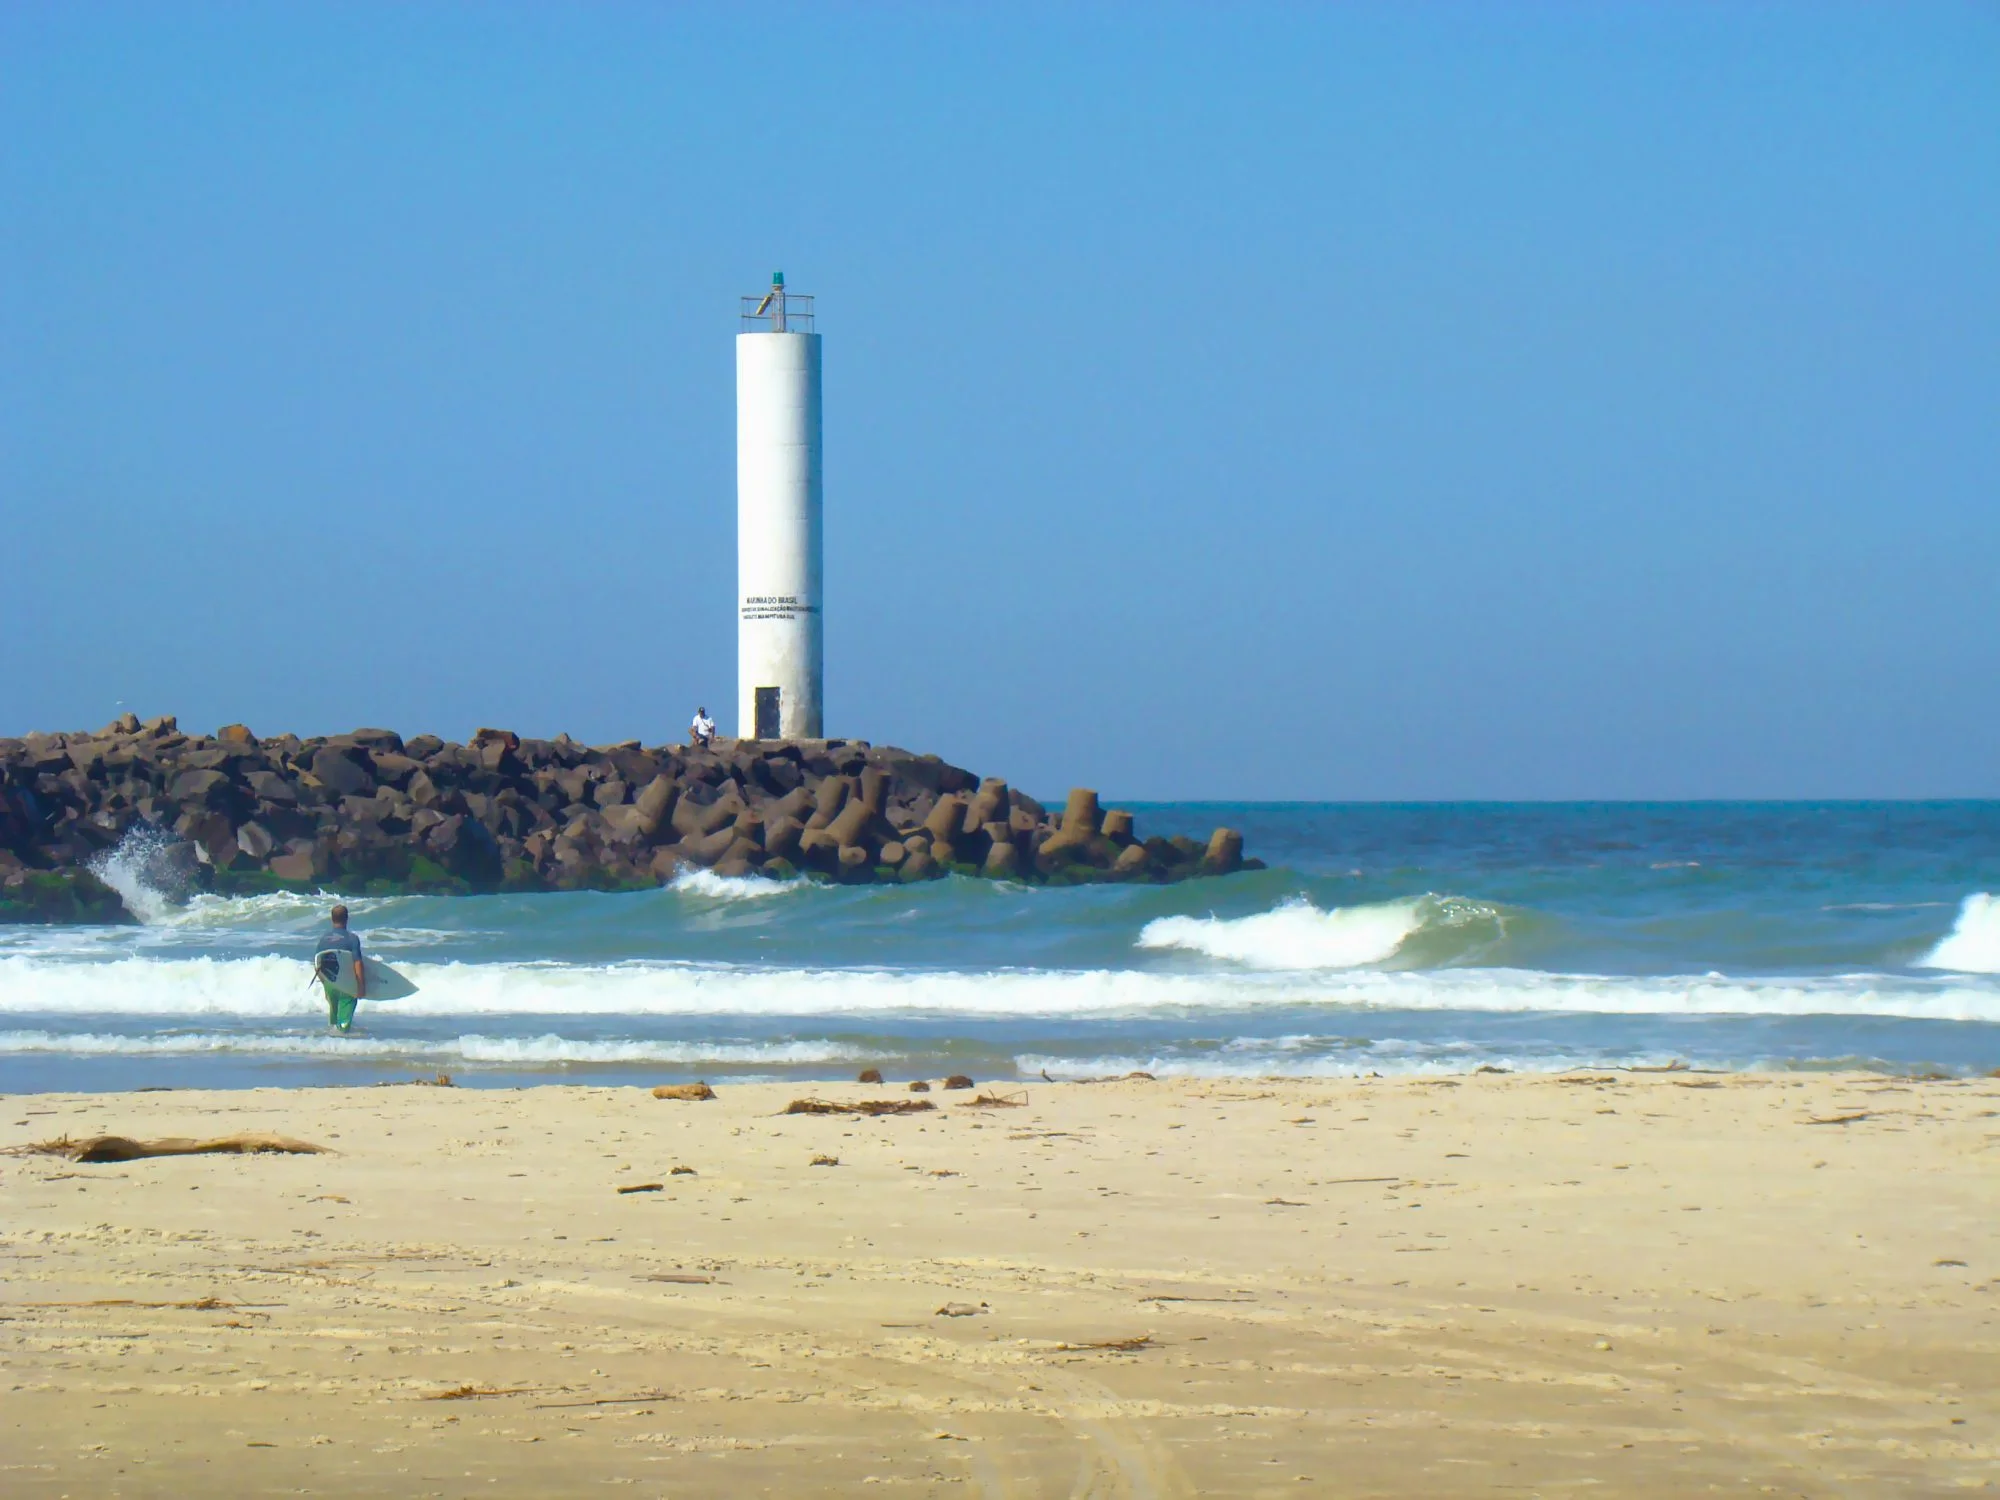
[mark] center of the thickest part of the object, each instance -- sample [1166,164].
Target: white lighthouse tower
[780,653]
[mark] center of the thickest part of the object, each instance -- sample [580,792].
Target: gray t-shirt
[338,939]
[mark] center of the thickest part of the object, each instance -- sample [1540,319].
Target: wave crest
[1297,935]
[691,880]
[270,987]
[1973,944]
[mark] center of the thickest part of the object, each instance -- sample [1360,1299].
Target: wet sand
[1627,1284]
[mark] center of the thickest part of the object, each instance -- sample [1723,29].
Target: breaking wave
[1804,934]
[142,869]
[1973,944]
[193,988]
[695,881]
[1299,936]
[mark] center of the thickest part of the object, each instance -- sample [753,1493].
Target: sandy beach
[1613,1282]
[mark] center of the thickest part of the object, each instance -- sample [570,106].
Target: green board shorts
[339,1007]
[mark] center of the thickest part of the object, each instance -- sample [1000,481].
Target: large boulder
[200,789]
[988,805]
[874,789]
[781,837]
[85,755]
[924,772]
[624,825]
[705,849]
[298,867]
[828,802]
[269,786]
[494,749]
[855,827]
[818,849]
[740,858]
[655,802]
[777,773]
[58,896]
[946,819]
[465,848]
[797,803]
[693,820]
[212,833]
[1072,840]
[1224,853]
[345,771]
[393,769]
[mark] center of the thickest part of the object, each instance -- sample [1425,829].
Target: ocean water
[1384,939]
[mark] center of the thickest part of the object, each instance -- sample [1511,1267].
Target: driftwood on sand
[480,1392]
[1118,1346]
[683,1091]
[198,1304]
[861,1107]
[122,1148]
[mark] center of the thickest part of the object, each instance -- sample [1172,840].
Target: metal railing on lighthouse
[778,311]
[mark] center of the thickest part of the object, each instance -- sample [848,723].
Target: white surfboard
[384,983]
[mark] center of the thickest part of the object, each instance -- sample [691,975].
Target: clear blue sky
[1400,401]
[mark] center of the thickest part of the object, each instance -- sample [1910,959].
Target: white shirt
[704,727]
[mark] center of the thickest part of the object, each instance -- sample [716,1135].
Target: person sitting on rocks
[337,946]
[702,732]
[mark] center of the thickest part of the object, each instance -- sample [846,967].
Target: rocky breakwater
[372,812]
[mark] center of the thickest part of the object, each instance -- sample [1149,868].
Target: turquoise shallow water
[1383,939]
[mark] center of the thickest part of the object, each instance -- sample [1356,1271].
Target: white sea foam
[1299,936]
[193,988]
[691,880]
[142,870]
[138,870]
[548,1049]
[1296,935]
[1973,944]
[273,909]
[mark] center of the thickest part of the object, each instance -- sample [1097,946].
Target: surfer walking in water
[337,962]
